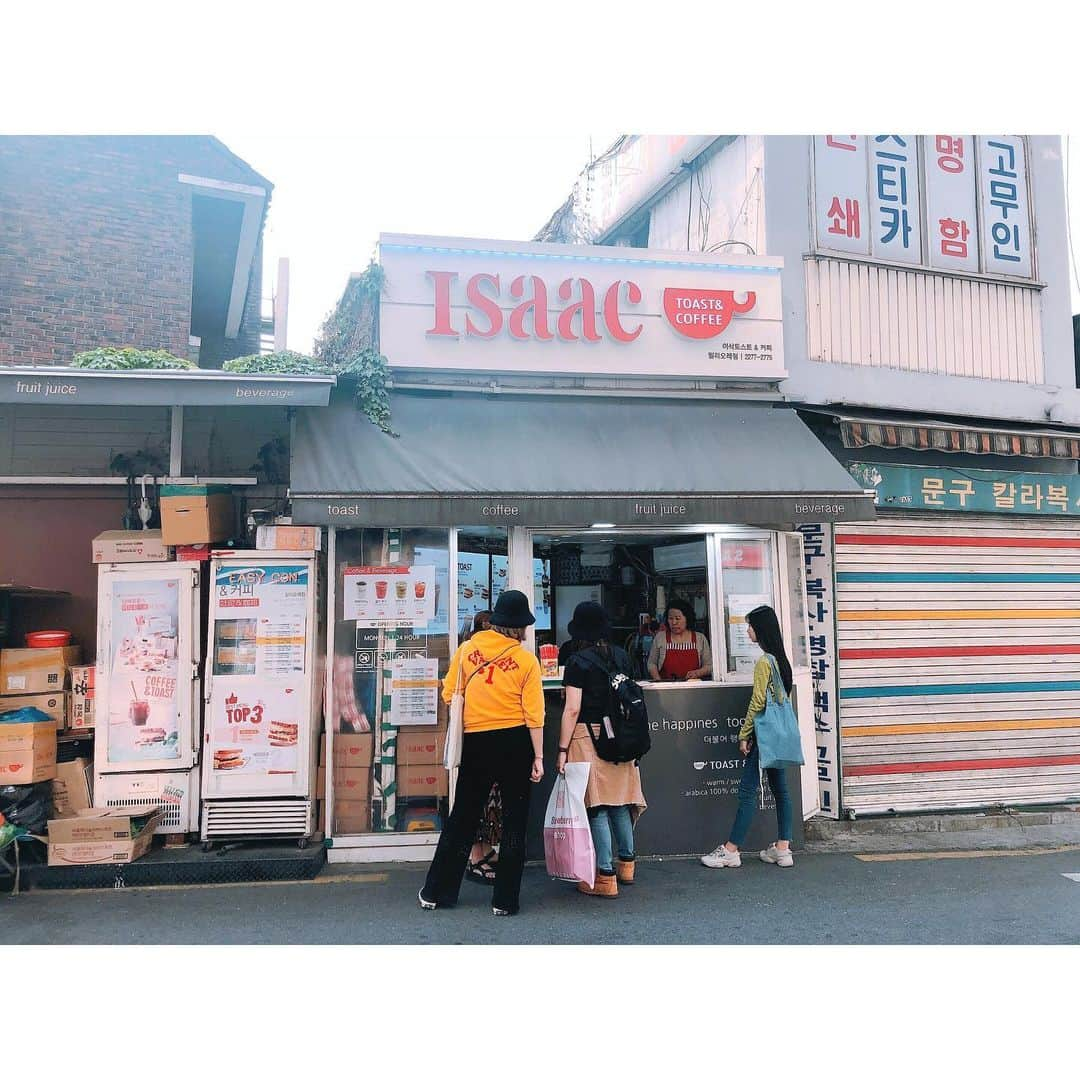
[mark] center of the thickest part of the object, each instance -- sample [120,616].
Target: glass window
[391,650]
[799,646]
[747,572]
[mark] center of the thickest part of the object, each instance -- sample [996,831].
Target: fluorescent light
[602,525]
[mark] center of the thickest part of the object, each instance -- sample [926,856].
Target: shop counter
[690,776]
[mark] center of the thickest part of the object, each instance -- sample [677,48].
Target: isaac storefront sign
[496,306]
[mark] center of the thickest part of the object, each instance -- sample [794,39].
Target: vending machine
[263,697]
[147,690]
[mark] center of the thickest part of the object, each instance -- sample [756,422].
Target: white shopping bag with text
[568,845]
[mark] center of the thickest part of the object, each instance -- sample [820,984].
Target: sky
[334,195]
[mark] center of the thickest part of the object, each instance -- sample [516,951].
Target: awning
[565,461]
[922,433]
[77,386]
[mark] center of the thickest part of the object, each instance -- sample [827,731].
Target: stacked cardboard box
[101,836]
[351,767]
[81,705]
[27,752]
[37,678]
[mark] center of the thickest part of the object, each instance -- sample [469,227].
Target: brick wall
[96,244]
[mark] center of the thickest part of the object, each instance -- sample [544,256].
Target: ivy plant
[130,359]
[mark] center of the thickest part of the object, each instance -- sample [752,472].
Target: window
[748,582]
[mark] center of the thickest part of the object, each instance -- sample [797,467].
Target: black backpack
[624,729]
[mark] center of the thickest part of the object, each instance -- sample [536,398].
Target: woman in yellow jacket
[503,744]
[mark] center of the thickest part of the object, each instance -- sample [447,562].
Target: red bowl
[48,639]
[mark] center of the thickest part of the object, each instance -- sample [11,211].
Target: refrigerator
[146,750]
[263,699]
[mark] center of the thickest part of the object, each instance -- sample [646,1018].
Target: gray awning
[77,386]
[547,461]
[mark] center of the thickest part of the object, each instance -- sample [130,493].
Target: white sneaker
[721,857]
[772,854]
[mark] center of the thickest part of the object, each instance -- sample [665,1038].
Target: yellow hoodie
[507,693]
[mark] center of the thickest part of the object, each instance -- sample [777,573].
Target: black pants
[487,757]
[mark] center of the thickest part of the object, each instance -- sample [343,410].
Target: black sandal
[482,871]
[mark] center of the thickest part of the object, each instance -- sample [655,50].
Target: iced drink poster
[389,597]
[142,713]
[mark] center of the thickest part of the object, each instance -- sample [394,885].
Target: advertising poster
[439,558]
[256,729]
[389,597]
[260,620]
[143,717]
[500,569]
[743,652]
[474,589]
[414,692]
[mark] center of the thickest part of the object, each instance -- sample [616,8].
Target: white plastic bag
[455,729]
[568,844]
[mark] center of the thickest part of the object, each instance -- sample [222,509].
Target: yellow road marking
[329,879]
[913,856]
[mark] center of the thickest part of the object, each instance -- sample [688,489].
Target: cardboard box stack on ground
[73,787]
[424,746]
[101,836]
[137,545]
[27,752]
[353,756]
[196,513]
[81,703]
[423,781]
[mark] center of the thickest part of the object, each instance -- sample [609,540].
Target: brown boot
[605,885]
[624,871]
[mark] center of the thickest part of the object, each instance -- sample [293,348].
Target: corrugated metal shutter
[959,647]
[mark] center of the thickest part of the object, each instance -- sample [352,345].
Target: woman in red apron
[679,653]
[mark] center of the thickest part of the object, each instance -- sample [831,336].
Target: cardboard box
[81,702]
[138,545]
[193,552]
[36,671]
[101,836]
[72,788]
[52,705]
[351,817]
[421,747]
[350,751]
[428,781]
[350,785]
[288,538]
[196,513]
[27,752]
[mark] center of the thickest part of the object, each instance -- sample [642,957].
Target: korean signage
[872,198]
[821,616]
[495,306]
[974,490]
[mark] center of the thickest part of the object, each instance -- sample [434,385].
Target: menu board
[143,717]
[742,651]
[541,587]
[389,597]
[414,692]
[260,619]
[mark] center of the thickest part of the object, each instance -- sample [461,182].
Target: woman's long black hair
[767,630]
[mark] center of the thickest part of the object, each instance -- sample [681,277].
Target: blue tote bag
[777,729]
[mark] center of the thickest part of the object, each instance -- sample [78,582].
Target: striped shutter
[959,662]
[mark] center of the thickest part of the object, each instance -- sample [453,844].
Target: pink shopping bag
[568,846]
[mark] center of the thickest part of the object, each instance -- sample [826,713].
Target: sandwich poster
[256,731]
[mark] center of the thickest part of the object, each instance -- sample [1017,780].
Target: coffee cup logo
[701,314]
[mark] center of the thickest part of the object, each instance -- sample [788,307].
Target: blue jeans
[749,786]
[607,822]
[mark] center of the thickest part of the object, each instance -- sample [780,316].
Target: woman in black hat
[613,796]
[503,744]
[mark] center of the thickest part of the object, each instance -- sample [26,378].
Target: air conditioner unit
[597,555]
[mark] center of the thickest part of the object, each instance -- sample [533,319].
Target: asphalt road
[1006,898]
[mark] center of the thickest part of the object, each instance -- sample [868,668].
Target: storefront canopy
[78,386]
[567,461]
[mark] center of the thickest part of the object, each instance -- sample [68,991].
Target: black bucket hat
[512,610]
[590,622]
